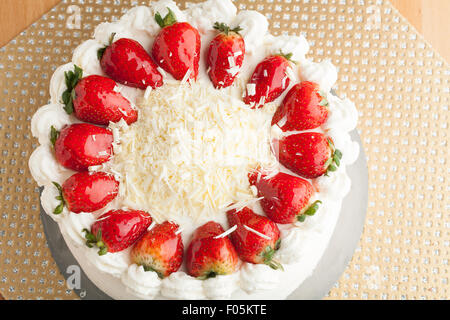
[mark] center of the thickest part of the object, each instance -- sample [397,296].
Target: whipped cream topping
[323,73]
[44,167]
[180,285]
[145,284]
[220,287]
[258,277]
[302,245]
[46,117]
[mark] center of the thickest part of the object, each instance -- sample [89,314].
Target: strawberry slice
[308,154]
[305,107]
[82,145]
[160,250]
[95,99]
[269,80]
[286,197]
[86,192]
[117,230]
[176,48]
[127,62]
[225,55]
[210,253]
[256,238]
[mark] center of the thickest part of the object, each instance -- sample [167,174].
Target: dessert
[226,169]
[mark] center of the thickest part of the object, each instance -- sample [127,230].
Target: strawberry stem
[101,51]
[149,269]
[96,240]
[59,209]
[223,27]
[168,20]
[268,254]
[208,274]
[54,135]
[335,159]
[310,211]
[287,56]
[72,78]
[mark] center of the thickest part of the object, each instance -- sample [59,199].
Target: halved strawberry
[117,230]
[210,254]
[286,197]
[176,48]
[308,154]
[82,145]
[127,62]
[86,192]
[95,99]
[160,249]
[225,55]
[305,107]
[256,238]
[269,80]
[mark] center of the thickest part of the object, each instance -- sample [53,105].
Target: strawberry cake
[191,154]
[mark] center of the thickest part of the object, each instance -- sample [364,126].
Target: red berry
[285,197]
[176,48]
[225,56]
[208,255]
[117,230]
[87,192]
[160,249]
[127,62]
[82,145]
[251,246]
[308,154]
[269,80]
[305,107]
[94,99]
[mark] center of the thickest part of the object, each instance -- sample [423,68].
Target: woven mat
[401,89]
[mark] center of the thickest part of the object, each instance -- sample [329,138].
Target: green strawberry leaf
[71,78]
[59,209]
[168,20]
[101,51]
[268,254]
[312,209]
[287,56]
[95,240]
[334,161]
[223,27]
[54,135]
[309,211]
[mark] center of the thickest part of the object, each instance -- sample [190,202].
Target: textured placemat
[401,89]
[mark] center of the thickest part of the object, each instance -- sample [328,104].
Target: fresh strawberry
[305,107]
[117,230]
[256,238]
[160,250]
[82,145]
[285,197]
[210,254]
[95,99]
[308,154]
[176,48]
[269,80]
[86,192]
[127,62]
[225,55]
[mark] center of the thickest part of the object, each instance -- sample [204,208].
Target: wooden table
[429,17]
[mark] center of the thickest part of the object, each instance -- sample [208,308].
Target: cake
[190,154]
